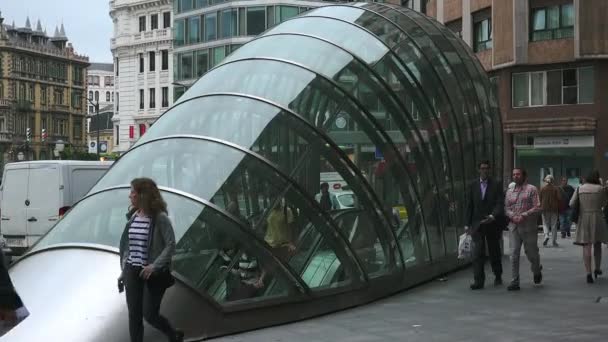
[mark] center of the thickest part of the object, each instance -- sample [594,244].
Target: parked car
[339,199]
[34,195]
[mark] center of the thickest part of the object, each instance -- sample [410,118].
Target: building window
[117,101]
[186,65]
[142,23]
[166,19]
[117,136]
[482,31]
[164,59]
[210,26]
[179,32]
[456,27]
[152,98]
[228,23]
[194,28]
[141,63]
[553,87]
[202,62]
[107,96]
[555,22]
[152,60]
[256,20]
[141,99]
[112,96]
[165,97]
[91,110]
[116,66]
[96,96]
[108,81]
[154,22]
[90,95]
[142,129]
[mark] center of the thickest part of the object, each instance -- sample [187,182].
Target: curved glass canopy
[384,104]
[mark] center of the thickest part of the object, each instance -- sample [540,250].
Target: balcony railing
[6,137]
[159,33]
[5,102]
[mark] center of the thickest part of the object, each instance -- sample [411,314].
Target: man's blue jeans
[565,222]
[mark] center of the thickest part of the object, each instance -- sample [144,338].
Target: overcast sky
[87,22]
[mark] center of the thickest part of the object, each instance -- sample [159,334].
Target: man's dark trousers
[486,235]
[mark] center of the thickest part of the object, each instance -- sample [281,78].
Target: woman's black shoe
[589,279]
[597,273]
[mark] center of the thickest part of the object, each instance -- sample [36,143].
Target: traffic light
[28,134]
[43,135]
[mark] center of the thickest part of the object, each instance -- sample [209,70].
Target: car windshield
[347,200]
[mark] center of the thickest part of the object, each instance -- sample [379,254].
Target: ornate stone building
[42,86]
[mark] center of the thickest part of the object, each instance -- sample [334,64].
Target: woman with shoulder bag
[147,246]
[591,228]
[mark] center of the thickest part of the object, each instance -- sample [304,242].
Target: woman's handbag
[576,208]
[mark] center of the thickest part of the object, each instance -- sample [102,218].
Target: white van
[34,195]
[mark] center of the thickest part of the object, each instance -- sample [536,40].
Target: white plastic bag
[465,246]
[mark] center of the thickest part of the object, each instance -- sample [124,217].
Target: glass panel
[216,257]
[288,12]
[202,62]
[539,19]
[567,15]
[205,240]
[229,23]
[276,212]
[242,21]
[186,5]
[218,55]
[302,93]
[210,26]
[270,13]
[186,65]
[553,17]
[569,77]
[570,95]
[179,32]
[520,88]
[194,27]
[200,3]
[554,87]
[586,85]
[538,88]
[366,46]
[256,20]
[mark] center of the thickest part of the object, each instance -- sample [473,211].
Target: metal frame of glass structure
[387,101]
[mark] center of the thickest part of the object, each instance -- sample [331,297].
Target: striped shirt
[247,268]
[138,241]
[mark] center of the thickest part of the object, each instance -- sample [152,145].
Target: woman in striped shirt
[147,246]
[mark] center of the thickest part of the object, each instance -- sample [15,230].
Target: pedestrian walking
[522,206]
[485,208]
[147,246]
[550,198]
[591,228]
[564,217]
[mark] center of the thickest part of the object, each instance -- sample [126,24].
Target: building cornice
[139,5]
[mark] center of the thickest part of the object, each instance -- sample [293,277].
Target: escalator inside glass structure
[383,103]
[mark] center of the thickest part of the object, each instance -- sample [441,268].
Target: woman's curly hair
[149,197]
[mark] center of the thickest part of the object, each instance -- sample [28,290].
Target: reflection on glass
[244,186]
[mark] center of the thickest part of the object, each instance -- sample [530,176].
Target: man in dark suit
[484,213]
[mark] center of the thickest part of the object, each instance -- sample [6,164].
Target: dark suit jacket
[9,299]
[492,204]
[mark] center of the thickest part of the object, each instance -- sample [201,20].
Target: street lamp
[96,105]
[185,86]
[20,156]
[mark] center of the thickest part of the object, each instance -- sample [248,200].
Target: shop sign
[564,141]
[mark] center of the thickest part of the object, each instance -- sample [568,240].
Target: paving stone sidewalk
[564,308]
